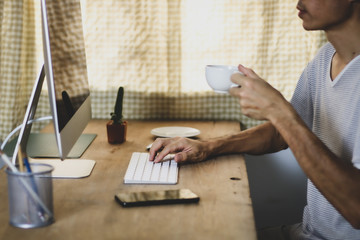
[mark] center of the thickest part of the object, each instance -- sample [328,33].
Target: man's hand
[257,98]
[185,150]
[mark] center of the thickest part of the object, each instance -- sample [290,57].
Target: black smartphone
[156,197]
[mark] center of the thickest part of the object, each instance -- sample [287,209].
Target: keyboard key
[140,167]
[164,171]
[173,172]
[156,172]
[132,166]
[147,171]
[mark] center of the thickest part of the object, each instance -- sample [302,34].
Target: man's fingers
[157,146]
[248,72]
[161,155]
[237,78]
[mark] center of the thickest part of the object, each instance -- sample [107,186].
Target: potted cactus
[116,127]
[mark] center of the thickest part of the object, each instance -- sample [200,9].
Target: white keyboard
[142,171]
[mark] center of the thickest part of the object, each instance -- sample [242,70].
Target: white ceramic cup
[218,77]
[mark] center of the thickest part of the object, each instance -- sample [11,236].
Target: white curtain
[18,65]
[157,50]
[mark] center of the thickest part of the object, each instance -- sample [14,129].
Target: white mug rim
[221,66]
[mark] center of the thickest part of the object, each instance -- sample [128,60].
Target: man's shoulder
[325,51]
[323,56]
[327,47]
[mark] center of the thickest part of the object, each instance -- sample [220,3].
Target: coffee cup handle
[233,85]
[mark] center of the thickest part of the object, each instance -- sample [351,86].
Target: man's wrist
[283,114]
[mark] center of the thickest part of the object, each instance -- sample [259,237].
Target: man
[321,125]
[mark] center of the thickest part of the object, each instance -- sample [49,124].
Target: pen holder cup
[31,196]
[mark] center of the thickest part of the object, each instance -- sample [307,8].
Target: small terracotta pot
[116,132]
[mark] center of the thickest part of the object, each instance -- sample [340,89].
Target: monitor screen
[66,72]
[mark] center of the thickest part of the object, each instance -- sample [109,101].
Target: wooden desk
[86,209]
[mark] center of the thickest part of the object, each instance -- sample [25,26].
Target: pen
[27,165]
[33,183]
[20,159]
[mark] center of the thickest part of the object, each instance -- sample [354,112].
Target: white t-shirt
[331,109]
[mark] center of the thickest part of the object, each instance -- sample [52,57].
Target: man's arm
[337,180]
[258,140]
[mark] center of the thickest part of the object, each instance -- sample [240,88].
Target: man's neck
[347,46]
[346,38]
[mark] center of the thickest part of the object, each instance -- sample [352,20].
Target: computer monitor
[66,74]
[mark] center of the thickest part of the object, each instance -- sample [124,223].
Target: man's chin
[310,28]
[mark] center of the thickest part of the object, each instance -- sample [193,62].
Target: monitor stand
[69,168]
[62,169]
